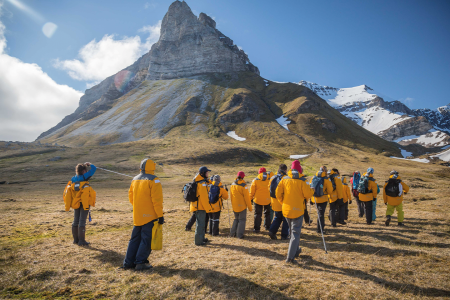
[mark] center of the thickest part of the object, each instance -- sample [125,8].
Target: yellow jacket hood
[321,174]
[148,166]
[300,175]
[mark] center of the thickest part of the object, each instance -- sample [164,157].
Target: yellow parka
[259,190]
[394,201]
[202,195]
[292,192]
[222,196]
[79,192]
[327,188]
[145,194]
[240,197]
[276,205]
[373,189]
[338,192]
[347,193]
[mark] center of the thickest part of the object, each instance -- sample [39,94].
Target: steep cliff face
[187,46]
[408,127]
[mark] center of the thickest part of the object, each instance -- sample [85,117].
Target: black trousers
[258,216]
[360,206]
[333,212]
[340,211]
[321,207]
[368,211]
[191,222]
[346,210]
[214,223]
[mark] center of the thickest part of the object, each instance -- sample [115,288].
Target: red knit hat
[262,170]
[296,166]
[241,174]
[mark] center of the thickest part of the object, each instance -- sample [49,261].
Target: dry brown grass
[38,259]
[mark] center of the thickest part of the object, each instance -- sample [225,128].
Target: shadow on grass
[252,251]
[233,287]
[108,256]
[311,264]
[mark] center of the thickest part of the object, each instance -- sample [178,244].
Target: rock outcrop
[408,127]
[187,46]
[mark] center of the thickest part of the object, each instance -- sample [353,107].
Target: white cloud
[30,101]
[98,60]
[148,5]
[407,100]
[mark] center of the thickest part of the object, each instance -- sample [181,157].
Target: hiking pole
[320,224]
[115,172]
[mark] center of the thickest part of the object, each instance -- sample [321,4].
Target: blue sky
[399,48]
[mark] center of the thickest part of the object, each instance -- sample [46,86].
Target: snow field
[233,135]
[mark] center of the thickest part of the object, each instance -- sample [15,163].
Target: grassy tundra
[38,260]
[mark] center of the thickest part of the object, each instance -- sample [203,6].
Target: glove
[226,188]
[405,193]
[252,201]
[161,220]
[350,202]
[385,203]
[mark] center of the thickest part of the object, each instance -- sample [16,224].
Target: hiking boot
[388,220]
[334,225]
[126,267]
[241,237]
[205,240]
[342,223]
[82,236]
[75,234]
[143,267]
[273,236]
[256,230]
[290,261]
[320,232]
[284,238]
[401,224]
[298,252]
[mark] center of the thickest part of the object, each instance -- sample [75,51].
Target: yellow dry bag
[157,236]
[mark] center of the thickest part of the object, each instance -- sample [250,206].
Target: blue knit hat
[370,171]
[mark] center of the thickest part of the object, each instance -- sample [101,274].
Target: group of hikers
[282,198]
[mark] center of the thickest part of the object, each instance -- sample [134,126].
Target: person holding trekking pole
[146,196]
[278,219]
[393,192]
[79,195]
[291,193]
[217,193]
[322,188]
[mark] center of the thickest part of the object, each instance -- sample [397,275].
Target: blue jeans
[374,208]
[140,245]
[277,220]
[295,225]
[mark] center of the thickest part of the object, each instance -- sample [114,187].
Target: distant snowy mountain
[390,119]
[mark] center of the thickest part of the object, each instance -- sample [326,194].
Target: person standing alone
[393,192]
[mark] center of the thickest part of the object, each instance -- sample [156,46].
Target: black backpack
[333,181]
[214,193]
[317,185]
[274,185]
[190,192]
[392,188]
[363,186]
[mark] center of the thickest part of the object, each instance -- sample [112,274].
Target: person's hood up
[148,166]
[321,174]
[395,176]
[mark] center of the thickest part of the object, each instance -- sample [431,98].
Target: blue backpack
[317,185]
[356,178]
[274,185]
[214,193]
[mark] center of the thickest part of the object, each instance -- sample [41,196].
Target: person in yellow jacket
[240,200]
[291,193]
[146,196]
[322,201]
[368,191]
[201,207]
[217,193]
[278,218]
[393,192]
[80,196]
[336,198]
[260,195]
[347,196]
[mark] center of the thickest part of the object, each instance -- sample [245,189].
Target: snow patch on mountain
[445,156]
[233,135]
[283,121]
[435,138]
